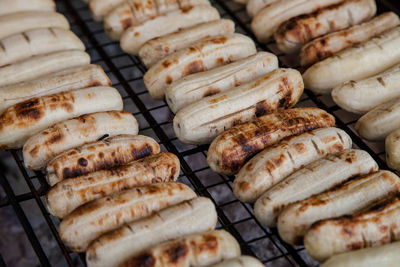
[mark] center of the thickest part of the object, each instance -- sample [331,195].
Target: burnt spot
[348,232]
[30,110]
[355,245]
[219,40]
[166,63]
[28,104]
[137,5]
[143,260]
[75,172]
[219,61]
[286,93]
[150,4]
[300,147]
[381,81]
[177,252]
[96,83]
[67,173]
[82,162]
[351,157]
[379,207]
[279,161]
[209,243]
[33,152]
[142,152]
[211,91]
[126,23]
[187,9]
[191,50]
[193,67]
[244,186]
[101,155]
[34,114]
[168,79]
[262,108]
[218,99]
[55,138]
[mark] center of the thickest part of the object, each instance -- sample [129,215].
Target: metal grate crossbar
[155,119]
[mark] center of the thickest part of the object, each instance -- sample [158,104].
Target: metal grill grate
[22,191]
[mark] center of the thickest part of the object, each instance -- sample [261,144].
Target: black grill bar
[24,221]
[155,120]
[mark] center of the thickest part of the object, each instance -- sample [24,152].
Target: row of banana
[300,172]
[303,178]
[354,56]
[110,186]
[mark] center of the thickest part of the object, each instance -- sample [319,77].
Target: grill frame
[156,121]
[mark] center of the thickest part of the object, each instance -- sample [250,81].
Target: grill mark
[190,204]
[392,234]
[269,172]
[2,46]
[26,37]
[290,157]
[340,137]
[315,146]
[103,137]
[179,4]
[224,117]
[130,228]
[364,240]
[350,16]
[157,7]
[51,30]
[381,81]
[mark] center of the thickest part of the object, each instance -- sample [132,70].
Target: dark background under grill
[28,234]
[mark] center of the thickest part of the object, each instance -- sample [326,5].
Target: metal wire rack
[20,186]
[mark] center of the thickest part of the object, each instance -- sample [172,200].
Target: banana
[45,145]
[35,42]
[268,19]
[90,221]
[362,96]
[137,35]
[201,56]
[27,20]
[202,121]
[313,178]
[193,216]
[355,63]
[62,81]
[18,123]
[194,87]
[275,163]
[158,48]
[231,149]
[42,65]
[330,44]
